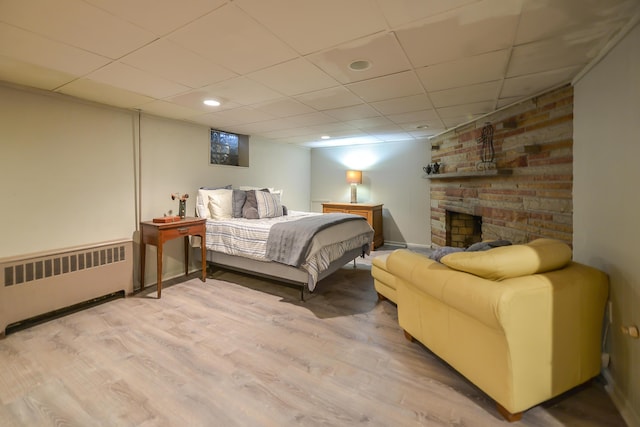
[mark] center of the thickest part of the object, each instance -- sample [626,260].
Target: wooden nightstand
[158,233]
[371,211]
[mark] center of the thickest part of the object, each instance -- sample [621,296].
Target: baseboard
[407,245]
[395,244]
[628,412]
[418,247]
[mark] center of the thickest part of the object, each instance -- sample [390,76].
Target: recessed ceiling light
[422,126]
[325,137]
[211,102]
[360,65]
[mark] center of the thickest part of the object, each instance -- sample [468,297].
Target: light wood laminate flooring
[250,354]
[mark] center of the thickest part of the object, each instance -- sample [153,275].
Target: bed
[249,230]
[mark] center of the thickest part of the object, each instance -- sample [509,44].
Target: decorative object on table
[435,167]
[354,178]
[432,168]
[166,219]
[182,203]
[487,152]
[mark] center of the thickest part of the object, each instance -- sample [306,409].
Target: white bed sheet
[248,238]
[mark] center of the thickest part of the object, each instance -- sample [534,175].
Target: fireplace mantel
[471,174]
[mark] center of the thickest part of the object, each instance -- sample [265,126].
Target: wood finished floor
[225,354]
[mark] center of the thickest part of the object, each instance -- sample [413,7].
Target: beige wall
[606,202]
[392,175]
[66,173]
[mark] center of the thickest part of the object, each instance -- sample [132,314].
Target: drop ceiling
[280,68]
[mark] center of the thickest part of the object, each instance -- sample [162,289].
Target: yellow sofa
[521,322]
[383,281]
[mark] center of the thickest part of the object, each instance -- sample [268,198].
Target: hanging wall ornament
[487,152]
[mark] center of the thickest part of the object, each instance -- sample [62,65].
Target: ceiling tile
[531,84]
[99,92]
[465,112]
[81,25]
[466,71]
[241,90]
[230,37]
[370,122]
[287,133]
[311,26]
[278,77]
[548,55]
[195,100]
[387,87]
[210,120]
[126,77]
[329,98]
[22,73]
[400,12]
[240,115]
[403,105]
[428,117]
[158,16]
[563,18]
[29,47]
[389,135]
[353,112]
[480,27]
[265,128]
[163,108]
[310,119]
[382,51]
[173,62]
[465,95]
[284,107]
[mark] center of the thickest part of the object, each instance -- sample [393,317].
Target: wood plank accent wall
[534,140]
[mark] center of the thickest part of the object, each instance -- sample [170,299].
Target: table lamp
[354,178]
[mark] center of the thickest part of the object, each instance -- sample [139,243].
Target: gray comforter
[288,242]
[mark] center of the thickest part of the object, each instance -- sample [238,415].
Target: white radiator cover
[38,284]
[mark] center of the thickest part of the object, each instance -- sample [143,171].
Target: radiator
[35,285]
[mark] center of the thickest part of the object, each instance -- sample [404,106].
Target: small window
[228,149]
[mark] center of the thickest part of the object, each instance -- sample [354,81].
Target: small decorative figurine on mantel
[182,203]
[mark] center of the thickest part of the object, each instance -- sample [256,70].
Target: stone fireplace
[527,194]
[463,229]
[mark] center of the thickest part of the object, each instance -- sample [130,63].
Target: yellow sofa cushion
[506,262]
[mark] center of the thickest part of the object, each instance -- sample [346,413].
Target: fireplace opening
[463,229]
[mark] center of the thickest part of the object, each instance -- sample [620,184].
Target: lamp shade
[354,177]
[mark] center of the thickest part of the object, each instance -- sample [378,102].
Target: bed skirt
[277,271]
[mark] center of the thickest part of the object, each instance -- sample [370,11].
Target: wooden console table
[158,233]
[371,211]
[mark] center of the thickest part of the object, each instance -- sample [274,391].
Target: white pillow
[250,187]
[268,204]
[202,200]
[277,191]
[221,204]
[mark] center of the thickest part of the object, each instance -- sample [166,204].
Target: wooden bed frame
[277,271]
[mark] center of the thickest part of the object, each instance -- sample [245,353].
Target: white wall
[606,203]
[392,175]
